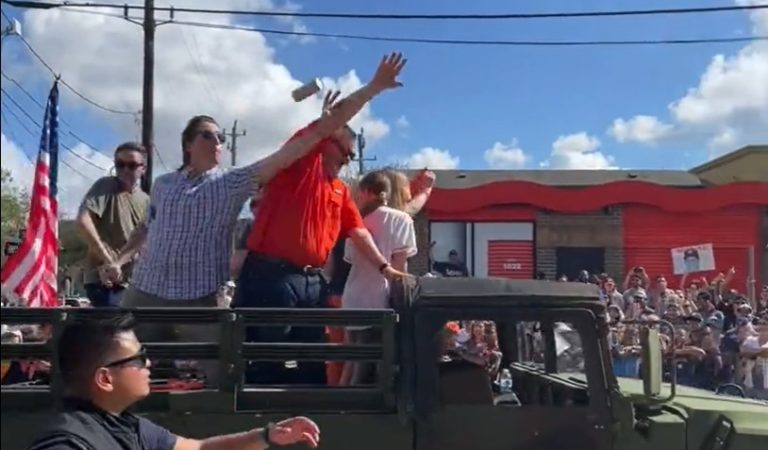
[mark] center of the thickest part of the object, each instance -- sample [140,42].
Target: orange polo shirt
[302,213]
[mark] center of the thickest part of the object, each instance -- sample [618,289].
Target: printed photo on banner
[693,258]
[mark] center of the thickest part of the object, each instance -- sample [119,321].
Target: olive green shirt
[115,212]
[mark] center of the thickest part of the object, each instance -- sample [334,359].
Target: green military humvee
[565,392]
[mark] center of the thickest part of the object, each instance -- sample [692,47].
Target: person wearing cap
[691,260]
[634,286]
[304,209]
[454,267]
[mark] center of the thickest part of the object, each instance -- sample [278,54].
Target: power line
[61,80]
[393,16]
[514,43]
[37,124]
[32,133]
[160,158]
[40,105]
[20,121]
[511,43]
[10,132]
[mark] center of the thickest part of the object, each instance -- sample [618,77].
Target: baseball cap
[691,253]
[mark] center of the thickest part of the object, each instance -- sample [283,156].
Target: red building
[517,223]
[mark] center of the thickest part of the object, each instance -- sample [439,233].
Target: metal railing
[232,354]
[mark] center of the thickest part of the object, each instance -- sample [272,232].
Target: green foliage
[14,204]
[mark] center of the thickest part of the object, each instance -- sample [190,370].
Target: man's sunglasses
[210,136]
[346,151]
[128,165]
[138,360]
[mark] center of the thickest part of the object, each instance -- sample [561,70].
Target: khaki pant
[164,332]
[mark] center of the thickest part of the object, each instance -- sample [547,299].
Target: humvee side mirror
[652,370]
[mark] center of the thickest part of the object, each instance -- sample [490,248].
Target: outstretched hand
[329,102]
[388,71]
[295,430]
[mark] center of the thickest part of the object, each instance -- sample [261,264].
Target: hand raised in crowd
[295,430]
[425,180]
[388,71]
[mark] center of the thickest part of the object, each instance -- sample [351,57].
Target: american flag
[30,273]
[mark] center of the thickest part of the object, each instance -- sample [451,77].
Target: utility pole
[147,109]
[360,157]
[233,135]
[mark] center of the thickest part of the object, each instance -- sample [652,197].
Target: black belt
[285,265]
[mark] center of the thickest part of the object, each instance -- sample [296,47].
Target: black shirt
[449,269]
[128,429]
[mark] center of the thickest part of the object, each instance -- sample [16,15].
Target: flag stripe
[31,272]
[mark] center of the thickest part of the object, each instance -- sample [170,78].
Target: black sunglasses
[346,151]
[127,165]
[138,360]
[210,135]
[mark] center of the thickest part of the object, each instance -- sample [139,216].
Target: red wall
[650,233]
[510,259]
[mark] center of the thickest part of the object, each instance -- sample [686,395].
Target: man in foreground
[105,371]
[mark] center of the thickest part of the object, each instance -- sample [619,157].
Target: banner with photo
[693,258]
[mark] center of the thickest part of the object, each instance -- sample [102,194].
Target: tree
[14,204]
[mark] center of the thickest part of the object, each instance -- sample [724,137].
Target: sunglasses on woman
[211,136]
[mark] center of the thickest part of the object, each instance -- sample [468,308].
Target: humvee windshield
[471,353]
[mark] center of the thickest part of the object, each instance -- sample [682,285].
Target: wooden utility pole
[147,109]
[361,157]
[233,135]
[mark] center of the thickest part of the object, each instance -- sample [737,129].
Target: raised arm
[423,184]
[384,78]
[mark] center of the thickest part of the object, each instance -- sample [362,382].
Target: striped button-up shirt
[190,224]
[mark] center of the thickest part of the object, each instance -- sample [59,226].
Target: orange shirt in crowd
[303,212]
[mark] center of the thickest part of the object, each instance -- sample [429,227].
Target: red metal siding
[650,234]
[510,259]
[497,213]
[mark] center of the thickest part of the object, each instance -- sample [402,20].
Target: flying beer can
[307,90]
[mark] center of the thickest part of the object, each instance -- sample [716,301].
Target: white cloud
[643,129]
[75,174]
[16,163]
[503,156]
[433,158]
[725,140]
[227,74]
[730,88]
[578,151]
[296,25]
[402,122]
[731,94]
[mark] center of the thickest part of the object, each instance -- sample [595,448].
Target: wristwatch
[265,432]
[383,266]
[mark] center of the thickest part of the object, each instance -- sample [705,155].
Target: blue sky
[465,98]
[458,101]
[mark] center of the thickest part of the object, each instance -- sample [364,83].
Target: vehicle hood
[705,412]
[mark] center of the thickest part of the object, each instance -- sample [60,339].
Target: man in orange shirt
[303,210]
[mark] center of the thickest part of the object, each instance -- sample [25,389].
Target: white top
[393,233]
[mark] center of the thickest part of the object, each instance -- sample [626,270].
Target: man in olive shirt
[111,209]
